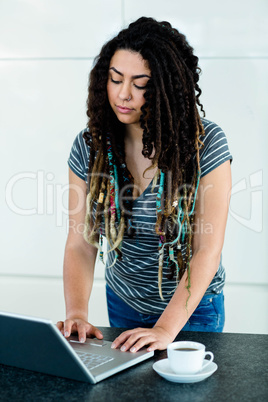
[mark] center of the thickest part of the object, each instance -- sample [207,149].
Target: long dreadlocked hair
[171,126]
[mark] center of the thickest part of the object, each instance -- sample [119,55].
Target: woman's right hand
[79,262]
[79,326]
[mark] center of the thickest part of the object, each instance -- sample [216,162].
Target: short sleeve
[215,150]
[79,156]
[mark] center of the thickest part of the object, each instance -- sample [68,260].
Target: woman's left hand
[134,339]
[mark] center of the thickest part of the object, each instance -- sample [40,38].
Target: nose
[125,92]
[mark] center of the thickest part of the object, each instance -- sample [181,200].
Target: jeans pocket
[209,314]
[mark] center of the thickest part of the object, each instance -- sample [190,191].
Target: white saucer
[162,367]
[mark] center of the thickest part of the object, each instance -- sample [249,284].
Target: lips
[123,109]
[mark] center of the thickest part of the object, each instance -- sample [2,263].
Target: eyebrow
[133,76]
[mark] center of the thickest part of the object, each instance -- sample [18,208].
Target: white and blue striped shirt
[135,278]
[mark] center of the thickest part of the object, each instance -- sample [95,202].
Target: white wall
[46,52]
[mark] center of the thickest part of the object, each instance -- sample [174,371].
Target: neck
[133,134]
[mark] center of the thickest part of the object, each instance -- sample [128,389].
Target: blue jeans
[208,317]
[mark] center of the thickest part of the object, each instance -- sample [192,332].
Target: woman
[154,179]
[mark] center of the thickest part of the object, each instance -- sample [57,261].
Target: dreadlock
[171,126]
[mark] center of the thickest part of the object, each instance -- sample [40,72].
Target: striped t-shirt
[135,278]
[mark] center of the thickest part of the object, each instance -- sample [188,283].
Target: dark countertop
[242,375]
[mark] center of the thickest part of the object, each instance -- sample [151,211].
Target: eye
[141,83]
[140,87]
[114,81]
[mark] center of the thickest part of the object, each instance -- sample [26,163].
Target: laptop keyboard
[92,360]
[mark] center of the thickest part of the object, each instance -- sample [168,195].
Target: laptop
[37,344]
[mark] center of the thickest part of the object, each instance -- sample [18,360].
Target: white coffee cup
[187,357]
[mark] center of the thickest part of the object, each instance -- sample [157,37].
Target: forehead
[129,63]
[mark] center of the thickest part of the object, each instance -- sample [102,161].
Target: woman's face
[126,85]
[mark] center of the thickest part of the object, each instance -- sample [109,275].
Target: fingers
[79,326]
[140,344]
[82,332]
[134,340]
[120,340]
[97,333]
[60,326]
[93,331]
[70,326]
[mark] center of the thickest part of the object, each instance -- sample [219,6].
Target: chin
[127,120]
